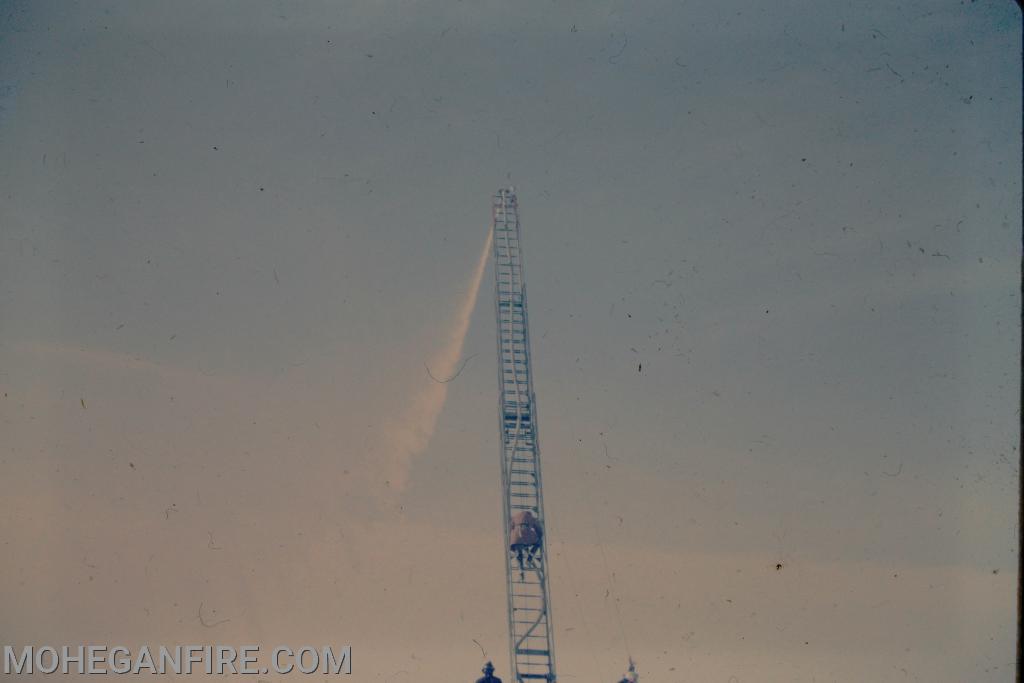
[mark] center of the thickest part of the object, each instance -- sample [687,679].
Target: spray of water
[409,435]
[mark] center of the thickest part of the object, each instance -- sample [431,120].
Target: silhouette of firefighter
[631,676]
[525,538]
[488,676]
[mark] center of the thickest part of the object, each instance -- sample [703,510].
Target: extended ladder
[529,610]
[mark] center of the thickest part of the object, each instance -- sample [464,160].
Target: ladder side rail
[537,459]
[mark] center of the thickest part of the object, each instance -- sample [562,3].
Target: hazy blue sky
[233,233]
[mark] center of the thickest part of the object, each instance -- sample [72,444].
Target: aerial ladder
[531,644]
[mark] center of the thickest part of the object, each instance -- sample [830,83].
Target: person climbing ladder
[525,538]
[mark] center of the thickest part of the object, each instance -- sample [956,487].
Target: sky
[772,251]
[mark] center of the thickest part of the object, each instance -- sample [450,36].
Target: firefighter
[489,676]
[631,676]
[525,538]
